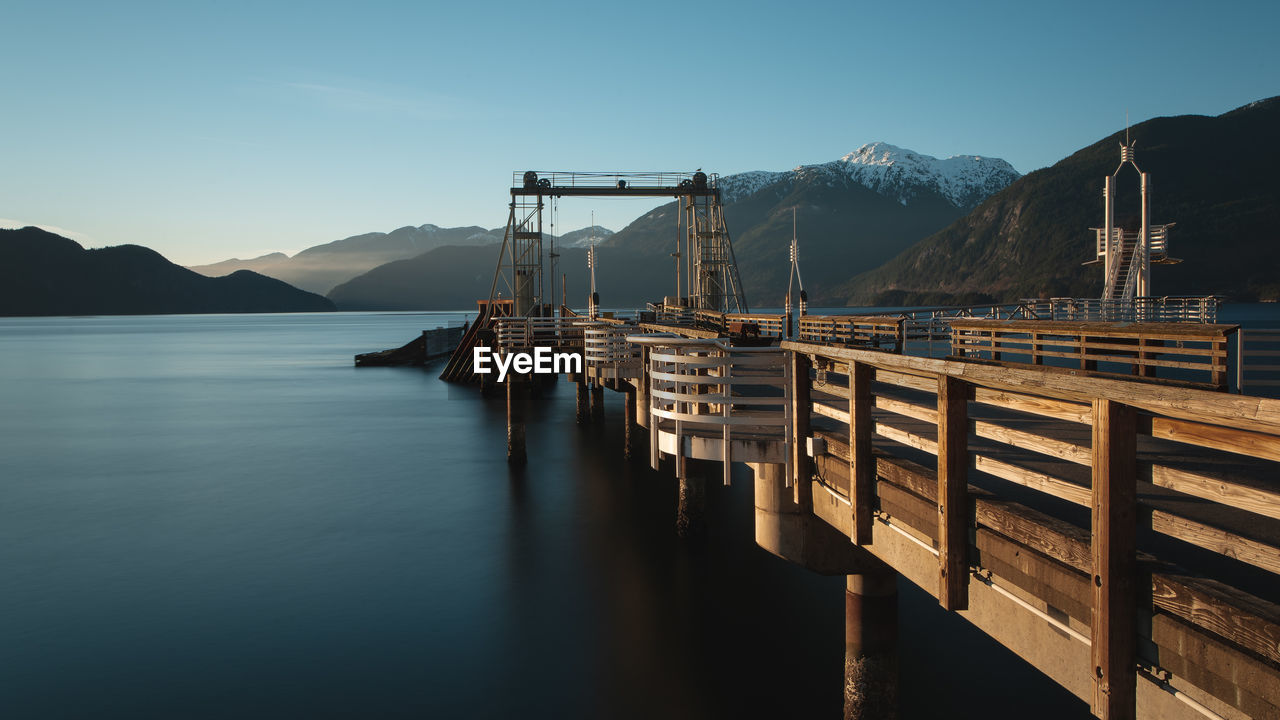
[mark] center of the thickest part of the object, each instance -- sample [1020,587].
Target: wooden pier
[1066,512]
[1073,477]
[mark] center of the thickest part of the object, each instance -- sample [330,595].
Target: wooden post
[692,500]
[629,433]
[597,403]
[953,500]
[1112,625]
[862,466]
[1219,376]
[1036,358]
[517,394]
[801,465]
[582,411]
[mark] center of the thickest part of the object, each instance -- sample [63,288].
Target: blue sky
[213,130]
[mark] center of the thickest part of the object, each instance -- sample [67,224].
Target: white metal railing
[1159,242]
[1203,309]
[520,333]
[710,389]
[608,352]
[671,315]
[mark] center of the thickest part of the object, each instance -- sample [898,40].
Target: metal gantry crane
[711,278]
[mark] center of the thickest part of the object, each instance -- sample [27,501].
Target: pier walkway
[1088,494]
[1081,479]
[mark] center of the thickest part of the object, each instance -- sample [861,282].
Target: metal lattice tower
[1127,255]
[712,278]
[714,282]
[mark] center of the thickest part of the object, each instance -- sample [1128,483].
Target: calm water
[218,516]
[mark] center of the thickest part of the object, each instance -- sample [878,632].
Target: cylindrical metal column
[871,644]
[597,403]
[629,433]
[517,398]
[582,407]
[692,507]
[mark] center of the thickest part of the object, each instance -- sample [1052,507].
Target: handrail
[608,352]
[517,333]
[708,387]
[1105,436]
[1144,348]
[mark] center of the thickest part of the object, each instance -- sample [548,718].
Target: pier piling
[582,410]
[517,399]
[597,403]
[692,506]
[871,644]
[629,433]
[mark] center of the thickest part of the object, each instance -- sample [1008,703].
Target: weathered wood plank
[800,461]
[1252,444]
[1248,621]
[1218,540]
[1055,538]
[1047,484]
[1244,681]
[1114,555]
[923,383]
[909,509]
[953,495]
[832,412]
[1052,447]
[1046,407]
[917,478]
[1217,487]
[907,438]
[1058,585]
[862,465]
[906,409]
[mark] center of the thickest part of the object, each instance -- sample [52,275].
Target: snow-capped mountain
[586,237]
[898,173]
[735,187]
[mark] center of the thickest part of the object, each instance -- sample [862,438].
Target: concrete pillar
[779,524]
[691,509]
[597,403]
[582,409]
[630,436]
[517,398]
[791,531]
[871,644]
[642,402]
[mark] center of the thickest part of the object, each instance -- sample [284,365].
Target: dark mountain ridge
[1215,177]
[46,274]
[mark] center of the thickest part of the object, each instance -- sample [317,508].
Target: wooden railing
[1196,352]
[1258,362]
[1111,446]
[885,333]
[1190,309]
